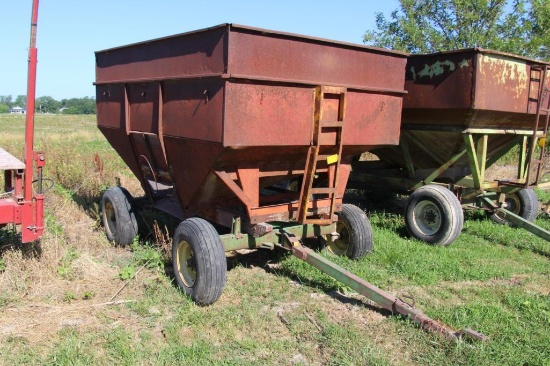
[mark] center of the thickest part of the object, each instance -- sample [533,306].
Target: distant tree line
[47,104]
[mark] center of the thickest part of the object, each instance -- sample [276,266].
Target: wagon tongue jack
[379,296]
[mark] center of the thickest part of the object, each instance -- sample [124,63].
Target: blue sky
[70,31]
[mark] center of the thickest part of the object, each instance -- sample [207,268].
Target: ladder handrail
[542,69]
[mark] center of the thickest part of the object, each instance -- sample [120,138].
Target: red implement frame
[17,203]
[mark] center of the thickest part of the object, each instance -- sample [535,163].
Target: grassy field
[77,300]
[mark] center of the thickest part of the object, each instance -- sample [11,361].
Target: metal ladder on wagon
[321,152]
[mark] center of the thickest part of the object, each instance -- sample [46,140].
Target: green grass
[275,308]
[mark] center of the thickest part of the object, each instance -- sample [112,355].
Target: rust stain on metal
[511,77]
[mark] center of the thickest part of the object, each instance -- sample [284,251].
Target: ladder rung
[319,221]
[545,110]
[331,124]
[323,190]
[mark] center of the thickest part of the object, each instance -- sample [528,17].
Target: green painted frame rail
[274,234]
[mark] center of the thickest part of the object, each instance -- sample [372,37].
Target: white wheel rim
[339,246]
[427,217]
[185,264]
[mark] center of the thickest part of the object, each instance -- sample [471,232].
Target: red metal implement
[17,203]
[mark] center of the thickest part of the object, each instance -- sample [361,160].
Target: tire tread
[450,207]
[210,256]
[360,231]
[123,205]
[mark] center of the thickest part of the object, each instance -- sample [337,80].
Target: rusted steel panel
[148,150]
[155,149]
[267,115]
[442,145]
[370,118]
[179,56]
[472,87]
[278,55]
[144,106]
[439,81]
[372,115]
[442,119]
[502,84]
[449,92]
[191,161]
[110,106]
[193,108]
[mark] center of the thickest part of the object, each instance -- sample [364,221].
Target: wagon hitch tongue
[516,219]
[379,296]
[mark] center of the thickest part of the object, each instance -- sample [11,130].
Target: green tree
[421,26]
[84,105]
[6,100]
[540,14]
[47,104]
[20,101]
[4,108]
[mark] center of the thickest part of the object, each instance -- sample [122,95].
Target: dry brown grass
[60,281]
[43,298]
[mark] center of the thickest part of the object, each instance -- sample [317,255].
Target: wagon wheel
[354,233]
[434,214]
[523,203]
[118,217]
[198,257]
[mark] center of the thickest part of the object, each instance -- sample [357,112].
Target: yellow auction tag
[542,142]
[332,159]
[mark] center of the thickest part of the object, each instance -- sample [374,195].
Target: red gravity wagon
[214,122]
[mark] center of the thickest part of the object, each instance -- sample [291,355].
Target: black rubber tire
[198,257]
[434,214]
[118,216]
[355,231]
[524,203]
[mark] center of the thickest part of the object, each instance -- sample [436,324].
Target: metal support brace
[436,173]
[523,165]
[477,157]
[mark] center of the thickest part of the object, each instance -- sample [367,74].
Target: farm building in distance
[18,110]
